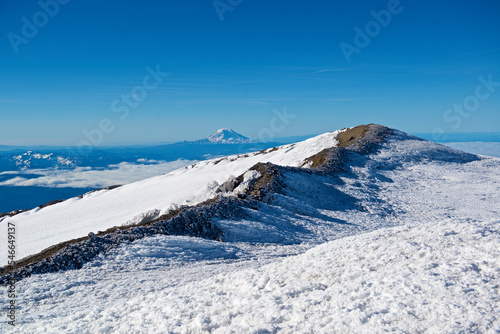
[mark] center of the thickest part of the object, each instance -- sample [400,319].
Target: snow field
[430,278]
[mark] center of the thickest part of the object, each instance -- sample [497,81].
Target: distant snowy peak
[225,136]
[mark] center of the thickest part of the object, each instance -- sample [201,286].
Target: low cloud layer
[491,149]
[88,177]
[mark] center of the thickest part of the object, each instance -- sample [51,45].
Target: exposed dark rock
[12,213]
[105,188]
[270,181]
[50,203]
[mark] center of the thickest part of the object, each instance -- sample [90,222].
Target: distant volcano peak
[225,130]
[226,136]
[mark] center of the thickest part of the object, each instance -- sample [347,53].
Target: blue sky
[70,75]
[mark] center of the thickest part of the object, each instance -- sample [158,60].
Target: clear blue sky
[263,55]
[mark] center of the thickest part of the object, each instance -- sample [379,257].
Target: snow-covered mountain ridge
[384,214]
[147,200]
[101,210]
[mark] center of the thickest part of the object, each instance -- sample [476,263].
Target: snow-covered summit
[225,136]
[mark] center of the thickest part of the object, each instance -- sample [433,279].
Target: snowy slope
[404,239]
[425,278]
[39,229]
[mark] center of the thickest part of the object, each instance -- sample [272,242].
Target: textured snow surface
[432,277]
[407,240]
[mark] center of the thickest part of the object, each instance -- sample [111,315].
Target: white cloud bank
[88,177]
[491,149]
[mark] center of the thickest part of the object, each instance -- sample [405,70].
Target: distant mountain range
[222,142]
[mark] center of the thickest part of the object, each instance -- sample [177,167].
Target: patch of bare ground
[350,136]
[361,139]
[330,160]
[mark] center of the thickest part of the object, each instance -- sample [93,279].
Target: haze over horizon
[75,67]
